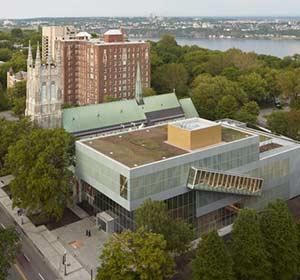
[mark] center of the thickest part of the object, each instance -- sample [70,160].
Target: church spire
[138,85]
[29,58]
[38,56]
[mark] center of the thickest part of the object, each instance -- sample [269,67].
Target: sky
[85,8]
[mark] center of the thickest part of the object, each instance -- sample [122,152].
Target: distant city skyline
[131,8]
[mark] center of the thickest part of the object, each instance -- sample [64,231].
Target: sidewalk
[47,243]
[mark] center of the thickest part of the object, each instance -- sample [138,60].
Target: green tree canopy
[248,113]
[135,255]
[285,123]
[280,238]
[148,92]
[227,107]
[169,77]
[289,83]
[17,95]
[5,54]
[254,86]
[248,249]
[208,91]
[153,216]
[9,247]
[10,133]
[212,262]
[40,163]
[17,33]
[168,49]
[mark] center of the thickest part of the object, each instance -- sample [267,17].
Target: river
[280,48]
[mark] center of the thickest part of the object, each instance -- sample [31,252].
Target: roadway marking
[3,226]
[41,276]
[27,259]
[20,272]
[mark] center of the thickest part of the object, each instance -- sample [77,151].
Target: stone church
[43,93]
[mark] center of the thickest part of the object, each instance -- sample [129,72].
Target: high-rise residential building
[93,69]
[52,33]
[43,93]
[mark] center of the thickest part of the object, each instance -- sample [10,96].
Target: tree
[280,238]
[148,92]
[153,216]
[169,77]
[18,96]
[109,98]
[285,123]
[271,78]
[9,247]
[227,107]
[247,248]
[10,133]
[248,113]
[168,49]
[4,102]
[17,33]
[289,83]
[208,91]
[40,164]
[135,255]
[212,259]
[254,86]
[243,61]
[5,54]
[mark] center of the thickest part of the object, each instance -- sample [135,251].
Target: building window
[123,186]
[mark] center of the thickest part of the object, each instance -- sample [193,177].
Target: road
[262,120]
[30,264]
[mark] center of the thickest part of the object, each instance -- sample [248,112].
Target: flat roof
[138,147]
[147,145]
[113,32]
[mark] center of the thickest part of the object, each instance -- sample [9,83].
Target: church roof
[85,120]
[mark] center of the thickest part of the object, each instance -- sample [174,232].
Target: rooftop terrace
[145,146]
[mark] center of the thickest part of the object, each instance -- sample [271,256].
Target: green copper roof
[160,102]
[120,112]
[101,115]
[188,108]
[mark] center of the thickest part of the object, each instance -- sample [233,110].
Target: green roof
[101,115]
[159,102]
[121,112]
[188,108]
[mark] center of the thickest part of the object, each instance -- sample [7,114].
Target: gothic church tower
[43,93]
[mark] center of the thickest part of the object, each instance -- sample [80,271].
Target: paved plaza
[85,249]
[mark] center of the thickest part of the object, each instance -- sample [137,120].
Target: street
[262,120]
[30,264]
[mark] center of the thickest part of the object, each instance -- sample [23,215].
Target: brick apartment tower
[93,69]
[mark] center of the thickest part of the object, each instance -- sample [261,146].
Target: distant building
[43,93]
[13,78]
[52,33]
[93,69]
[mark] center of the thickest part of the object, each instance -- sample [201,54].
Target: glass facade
[183,206]
[217,219]
[167,179]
